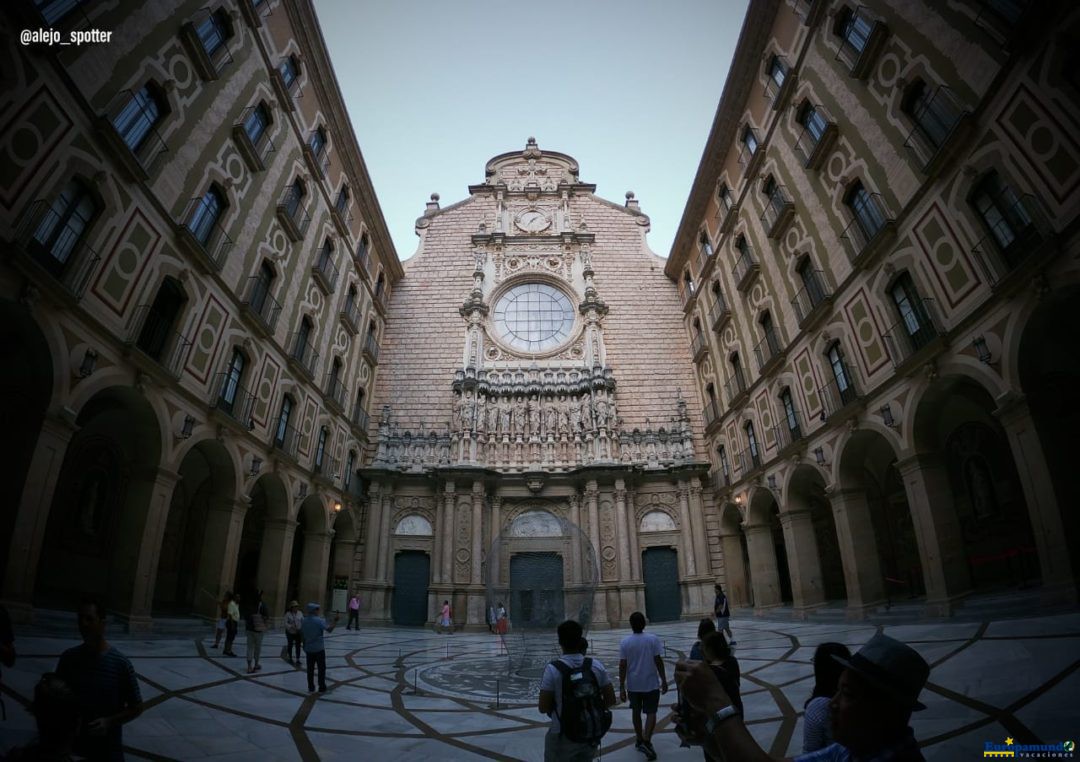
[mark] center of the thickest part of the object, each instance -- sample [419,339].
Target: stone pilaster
[863,580]
[804,565]
[764,573]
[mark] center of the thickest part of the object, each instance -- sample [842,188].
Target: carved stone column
[576,561]
[371,541]
[386,556]
[858,551]
[632,534]
[621,527]
[937,531]
[687,550]
[436,543]
[448,534]
[28,533]
[599,599]
[804,566]
[697,524]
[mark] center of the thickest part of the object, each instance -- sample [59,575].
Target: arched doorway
[25,388]
[1049,370]
[96,525]
[310,554]
[810,531]
[736,561]
[767,552]
[264,540]
[413,539]
[189,567]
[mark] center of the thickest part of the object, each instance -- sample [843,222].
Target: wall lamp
[188,427]
[982,349]
[89,362]
[256,466]
[887,416]
[337,507]
[819,455]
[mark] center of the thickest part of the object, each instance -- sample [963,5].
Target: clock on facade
[532,221]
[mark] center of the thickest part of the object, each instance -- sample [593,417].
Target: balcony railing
[255,10]
[152,333]
[750,158]
[208,64]
[719,312]
[343,218]
[290,212]
[303,355]
[746,269]
[360,418]
[812,297]
[727,214]
[867,232]
[913,332]
[788,431]
[371,349]
[835,397]
[778,212]
[203,235]
[256,154]
[285,439]
[335,392]
[1020,230]
[705,253]
[129,130]
[747,460]
[319,163]
[721,480]
[362,259]
[350,316]
[776,93]
[232,399]
[699,347]
[816,138]
[767,351]
[1004,20]
[261,305]
[734,387]
[287,93]
[712,413]
[325,271]
[861,41]
[58,247]
[939,122]
[327,467]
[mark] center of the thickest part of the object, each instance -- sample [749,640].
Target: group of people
[859,708]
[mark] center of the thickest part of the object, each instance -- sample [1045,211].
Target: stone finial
[432,206]
[631,201]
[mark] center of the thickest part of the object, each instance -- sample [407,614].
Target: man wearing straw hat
[879,689]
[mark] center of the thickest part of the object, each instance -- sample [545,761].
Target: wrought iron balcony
[56,247]
[861,41]
[260,305]
[285,439]
[208,64]
[735,388]
[287,94]
[940,126]
[768,352]
[318,163]
[747,460]
[721,480]
[152,333]
[727,214]
[777,93]
[360,418]
[835,397]
[719,313]
[290,212]
[129,130]
[362,259]
[868,232]
[746,269]
[778,212]
[1020,232]
[750,158]
[199,232]
[325,271]
[254,11]
[232,399]
[327,467]
[699,347]
[712,413]
[816,138]
[788,432]
[914,332]
[255,153]
[343,218]
[705,253]
[303,355]
[1004,20]
[371,349]
[350,316]
[335,393]
[813,299]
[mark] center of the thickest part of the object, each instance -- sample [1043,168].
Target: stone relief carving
[536,523]
[657,521]
[414,525]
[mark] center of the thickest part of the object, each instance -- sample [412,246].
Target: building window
[326,254]
[205,216]
[317,141]
[813,121]
[213,30]
[53,10]
[815,290]
[257,123]
[350,464]
[295,197]
[290,71]
[1001,211]
[751,441]
[724,196]
[350,301]
[749,140]
[777,72]
[912,313]
[320,449]
[362,248]
[769,331]
[737,372]
[789,412]
[380,286]
[342,202]
[283,421]
[534,317]
[64,225]
[264,282]
[139,116]
[853,28]
[233,376]
[688,282]
[868,214]
[157,328]
[725,467]
[303,339]
[839,371]
[934,113]
[743,248]
[706,247]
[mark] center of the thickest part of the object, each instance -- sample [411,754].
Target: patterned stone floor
[406,693]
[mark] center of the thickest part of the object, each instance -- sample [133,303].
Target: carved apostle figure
[552,420]
[601,414]
[468,411]
[586,413]
[535,413]
[521,413]
[575,418]
[504,417]
[493,415]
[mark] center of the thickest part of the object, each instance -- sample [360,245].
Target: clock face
[532,221]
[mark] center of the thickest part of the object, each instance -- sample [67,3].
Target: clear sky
[435,89]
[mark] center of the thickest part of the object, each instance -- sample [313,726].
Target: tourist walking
[104,685]
[705,626]
[294,619]
[446,619]
[871,711]
[817,717]
[722,612]
[576,693]
[642,676]
[354,611]
[502,619]
[256,623]
[232,622]
[717,654]
[222,618]
[312,630]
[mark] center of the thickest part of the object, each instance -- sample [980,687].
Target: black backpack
[584,717]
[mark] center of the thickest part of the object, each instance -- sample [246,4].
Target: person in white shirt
[642,675]
[293,638]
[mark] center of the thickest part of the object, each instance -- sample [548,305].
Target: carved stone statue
[504,416]
[586,414]
[552,424]
[493,415]
[520,415]
[601,414]
[575,417]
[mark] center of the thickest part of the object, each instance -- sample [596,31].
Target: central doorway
[663,601]
[536,589]
[412,570]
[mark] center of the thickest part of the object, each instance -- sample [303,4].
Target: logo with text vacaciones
[1013,750]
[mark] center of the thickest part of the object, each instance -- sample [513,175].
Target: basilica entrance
[536,590]
[663,601]
[412,570]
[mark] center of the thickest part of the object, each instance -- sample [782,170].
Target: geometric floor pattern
[400,693]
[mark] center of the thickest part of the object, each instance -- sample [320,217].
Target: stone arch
[266,530]
[737,581]
[766,550]
[657,520]
[107,489]
[310,551]
[812,528]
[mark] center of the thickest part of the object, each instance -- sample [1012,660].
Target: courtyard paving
[411,694]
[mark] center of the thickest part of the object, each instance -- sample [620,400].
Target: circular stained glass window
[533,317]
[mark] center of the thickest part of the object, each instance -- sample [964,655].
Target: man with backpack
[576,693]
